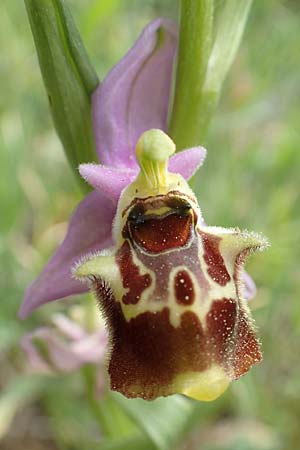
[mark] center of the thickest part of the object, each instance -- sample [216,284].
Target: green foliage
[203,63]
[68,76]
[150,417]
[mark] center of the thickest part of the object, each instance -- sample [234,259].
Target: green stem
[69,79]
[201,69]
[194,48]
[98,408]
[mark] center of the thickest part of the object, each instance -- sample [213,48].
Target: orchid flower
[163,341]
[170,288]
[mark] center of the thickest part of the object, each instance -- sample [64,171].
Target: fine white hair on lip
[85,258]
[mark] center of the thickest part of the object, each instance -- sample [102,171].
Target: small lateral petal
[108,180]
[134,96]
[187,162]
[89,231]
[248,286]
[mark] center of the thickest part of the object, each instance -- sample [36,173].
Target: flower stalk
[203,66]
[195,39]
[98,408]
[68,76]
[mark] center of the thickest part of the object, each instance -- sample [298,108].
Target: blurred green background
[250,179]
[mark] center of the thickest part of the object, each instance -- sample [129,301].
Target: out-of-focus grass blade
[15,396]
[230,30]
[137,441]
[10,333]
[202,68]
[97,12]
[164,420]
[68,77]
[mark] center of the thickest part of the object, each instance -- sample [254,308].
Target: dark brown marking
[221,323]
[213,258]
[248,348]
[148,352]
[157,234]
[247,351]
[164,197]
[130,275]
[184,290]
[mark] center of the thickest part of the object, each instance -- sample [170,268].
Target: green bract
[68,76]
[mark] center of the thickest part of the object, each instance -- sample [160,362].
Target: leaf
[164,420]
[9,334]
[201,70]
[68,77]
[228,38]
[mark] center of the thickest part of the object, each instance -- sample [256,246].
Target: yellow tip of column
[153,151]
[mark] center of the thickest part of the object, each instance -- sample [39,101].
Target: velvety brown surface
[247,350]
[214,260]
[221,327]
[131,277]
[148,352]
[157,234]
[184,290]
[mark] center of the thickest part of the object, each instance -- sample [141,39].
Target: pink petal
[62,355]
[91,349]
[134,96]
[187,162]
[108,180]
[68,327]
[249,288]
[89,231]
[68,356]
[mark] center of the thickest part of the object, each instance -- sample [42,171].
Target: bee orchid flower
[172,289]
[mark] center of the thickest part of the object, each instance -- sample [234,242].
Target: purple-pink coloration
[133,98]
[110,181]
[89,231]
[63,347]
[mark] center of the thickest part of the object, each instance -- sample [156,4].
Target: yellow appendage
[204,386]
